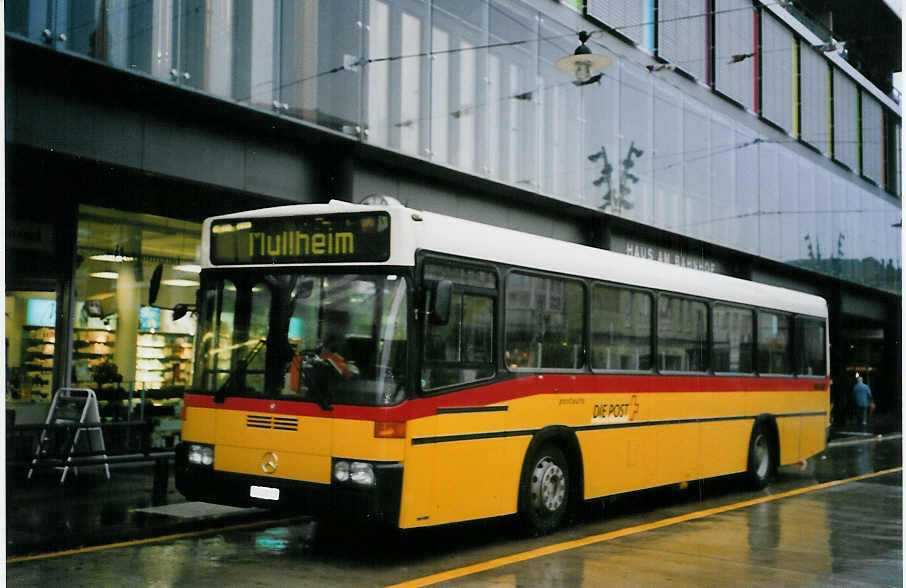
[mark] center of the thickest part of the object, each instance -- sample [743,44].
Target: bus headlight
[356,472]
[200,454]
[361,473]
[341,471]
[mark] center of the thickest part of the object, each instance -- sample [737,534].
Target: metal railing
[127,442]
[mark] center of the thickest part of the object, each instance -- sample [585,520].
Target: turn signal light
[182,413]
[390,430]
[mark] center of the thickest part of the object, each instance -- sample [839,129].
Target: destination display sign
[334,238]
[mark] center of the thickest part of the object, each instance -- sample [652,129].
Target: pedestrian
[863,399]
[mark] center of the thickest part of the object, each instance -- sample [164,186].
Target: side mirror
[180,310]
[441,301]
[154,287]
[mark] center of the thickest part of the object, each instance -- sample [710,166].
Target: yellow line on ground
[567,545]
[149,540]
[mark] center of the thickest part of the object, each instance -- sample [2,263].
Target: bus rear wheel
[544,491]
[760,465]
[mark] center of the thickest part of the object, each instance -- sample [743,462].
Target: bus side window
[462,350]
[620,329]
[774,343]
[732,336]
[682,334]
[544,323]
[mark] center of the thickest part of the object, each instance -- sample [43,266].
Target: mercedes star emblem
[269,462]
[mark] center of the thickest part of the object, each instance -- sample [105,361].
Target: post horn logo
[269,462]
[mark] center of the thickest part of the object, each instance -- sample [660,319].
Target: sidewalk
[878,424]
[43,515]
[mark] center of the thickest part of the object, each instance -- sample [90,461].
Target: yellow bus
[415,369]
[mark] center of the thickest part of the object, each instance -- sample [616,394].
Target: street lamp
[582,63]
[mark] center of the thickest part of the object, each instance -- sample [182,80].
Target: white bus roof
[414,230]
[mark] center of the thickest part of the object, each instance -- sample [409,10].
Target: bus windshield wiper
[221,393]
[322,392]
[315,375]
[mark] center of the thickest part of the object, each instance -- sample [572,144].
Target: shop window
[122,346]
[30,344]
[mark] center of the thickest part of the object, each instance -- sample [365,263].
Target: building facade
[732,136]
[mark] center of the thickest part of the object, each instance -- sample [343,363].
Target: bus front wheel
[544,491]
[760,463]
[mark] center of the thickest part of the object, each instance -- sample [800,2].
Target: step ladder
[73,406]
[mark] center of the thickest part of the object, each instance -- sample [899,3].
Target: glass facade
[684,36]
[472,86]
[734,41]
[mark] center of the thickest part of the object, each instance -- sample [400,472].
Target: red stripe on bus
[517,388]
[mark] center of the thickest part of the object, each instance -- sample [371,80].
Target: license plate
[264,493]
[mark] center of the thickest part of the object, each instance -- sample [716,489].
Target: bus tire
[544,490]
[761,457]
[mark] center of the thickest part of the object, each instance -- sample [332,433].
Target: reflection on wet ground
[855,457]
[44,515]
[846,535]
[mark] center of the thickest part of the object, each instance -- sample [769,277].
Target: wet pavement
[850,534]
[831,537]
[46,516]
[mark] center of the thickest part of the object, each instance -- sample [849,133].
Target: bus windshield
[329,338]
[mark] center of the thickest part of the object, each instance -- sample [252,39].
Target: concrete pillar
[839,383]
[66,235]
[892,363]
[128,300]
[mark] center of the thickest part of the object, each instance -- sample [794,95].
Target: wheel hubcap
[761,455]
[548,486]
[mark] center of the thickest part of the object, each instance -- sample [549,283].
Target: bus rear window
[811,348]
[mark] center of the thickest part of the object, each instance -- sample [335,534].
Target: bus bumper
[379,503]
